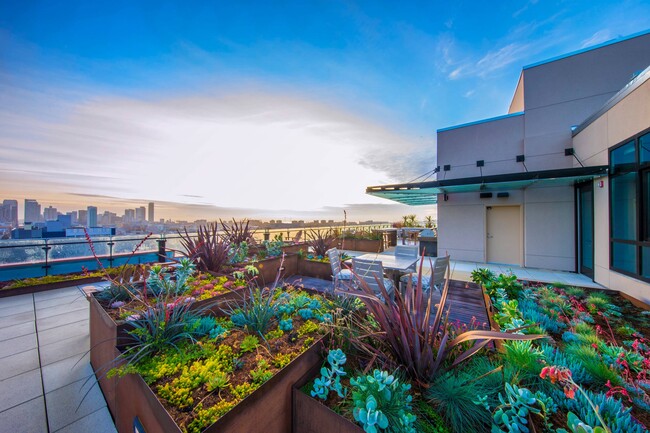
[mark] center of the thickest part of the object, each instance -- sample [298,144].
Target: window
[629,198]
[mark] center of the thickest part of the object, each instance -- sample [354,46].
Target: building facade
[559,181]
[32,211]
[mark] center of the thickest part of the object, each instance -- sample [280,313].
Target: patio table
[393,264]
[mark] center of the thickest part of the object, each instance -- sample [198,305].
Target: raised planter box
[295,248]
[106,335]
[50,286]
[267,410]
[366,245]
[312,416]
[269,268]
[310,268]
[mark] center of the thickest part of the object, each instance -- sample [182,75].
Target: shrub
[207,250]
[238,232]
[320,241]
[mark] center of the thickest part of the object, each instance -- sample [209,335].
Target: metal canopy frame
[426,193]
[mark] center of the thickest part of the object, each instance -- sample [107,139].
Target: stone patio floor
[44,340]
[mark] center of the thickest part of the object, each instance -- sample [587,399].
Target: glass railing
[40,257]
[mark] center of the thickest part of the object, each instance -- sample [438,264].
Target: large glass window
[629,189]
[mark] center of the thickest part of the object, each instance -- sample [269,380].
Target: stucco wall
[498,140]
[549,226]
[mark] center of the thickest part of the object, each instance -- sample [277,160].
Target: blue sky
[255,105]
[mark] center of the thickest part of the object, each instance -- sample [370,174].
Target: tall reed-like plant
[207,250]
[321,241]
[413,330]
[237,232]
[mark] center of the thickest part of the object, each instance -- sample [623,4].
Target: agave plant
[320,241]
[238,232]
[208,250]
[414,331]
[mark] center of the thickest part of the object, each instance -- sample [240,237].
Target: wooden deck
[465,299]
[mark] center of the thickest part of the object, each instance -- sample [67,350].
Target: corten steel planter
[312,416]
[267,410]
[295,248]
[365,245]
[269,268]
[311,268]
[106,335]
[45,287]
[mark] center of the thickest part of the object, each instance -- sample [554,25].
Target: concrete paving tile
[55,310]
[19,363]
[57,293]
[68,404]
[59,302]
[16,309]
[15,319]
[77,345]
[13,331]
[16,345]
[19,389]
[62,319]
[28,417]
[64,332]
[69,370]
[99,421]
[12,301]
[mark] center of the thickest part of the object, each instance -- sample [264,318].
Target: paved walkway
[44,366]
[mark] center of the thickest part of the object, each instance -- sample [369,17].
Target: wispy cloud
[597,38]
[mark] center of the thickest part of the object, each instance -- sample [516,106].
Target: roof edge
[587,49]
[630,87]
[478,122]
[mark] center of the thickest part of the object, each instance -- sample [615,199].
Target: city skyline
[259,111]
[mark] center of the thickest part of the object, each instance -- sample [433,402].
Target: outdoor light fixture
[445,197]
[503,194]
[480,163]
[521,158]
[486,195]
[568,151]
[447,167]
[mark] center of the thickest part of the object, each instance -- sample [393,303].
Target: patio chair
[338,274]
[438,275]
[407,251]
[369,271]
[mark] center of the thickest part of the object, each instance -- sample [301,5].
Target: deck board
[465,299]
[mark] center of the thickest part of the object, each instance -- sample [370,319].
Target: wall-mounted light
[503,194]
[486,195]
[521,158]
[568,151]
[445,197]
[447,167]
[480,163]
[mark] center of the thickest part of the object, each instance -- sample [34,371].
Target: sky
[261,109]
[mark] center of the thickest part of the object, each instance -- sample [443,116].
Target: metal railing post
[110,251]
[47,249]
[162,256]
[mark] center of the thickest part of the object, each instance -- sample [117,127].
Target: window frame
[642,229]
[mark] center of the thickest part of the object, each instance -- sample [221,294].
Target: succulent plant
[330,379]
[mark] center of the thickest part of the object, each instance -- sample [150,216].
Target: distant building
[9,212]
[65,221]
[140,213]
[32,211]
[73,217]
[108,218]
[50,213]
[129,215]
[150,215]
[92,216]
[78,232]
[82,217]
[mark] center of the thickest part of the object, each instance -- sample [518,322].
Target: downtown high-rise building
[50,213]
[140,213]
[150,214]
[82,217]
[129,215]
[92,216]
[9,212]
[32,211]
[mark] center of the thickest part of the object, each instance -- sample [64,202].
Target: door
[585,229]
[503,244]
